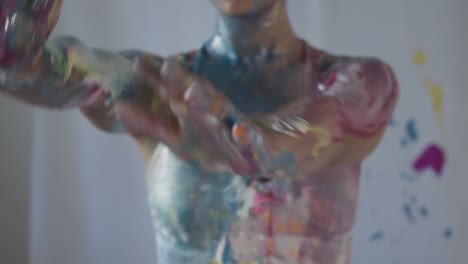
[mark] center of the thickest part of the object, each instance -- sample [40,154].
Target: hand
[214,134]
[24,27]
[141,111]
[208,131]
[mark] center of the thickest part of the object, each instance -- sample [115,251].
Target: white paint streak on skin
[249,200]
[220,250]
[178,227]
[205,187]
[296,127]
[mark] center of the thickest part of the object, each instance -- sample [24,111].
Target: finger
[198,94]
[179,108]
[42,6]
[201,94]
[229,151]
[176,79]
[150,76]
[19,4]
[194,101]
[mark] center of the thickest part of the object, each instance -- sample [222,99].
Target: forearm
[309,132]
[65,74]
[341,125]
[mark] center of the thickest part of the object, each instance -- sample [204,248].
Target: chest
[197,210]
[253,87]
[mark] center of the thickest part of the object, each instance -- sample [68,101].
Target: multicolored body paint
[301,215]
[262,135]
[63,73]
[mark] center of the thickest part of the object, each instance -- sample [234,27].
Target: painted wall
[410,215]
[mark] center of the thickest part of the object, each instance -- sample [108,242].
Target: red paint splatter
[264,203]
[433,157]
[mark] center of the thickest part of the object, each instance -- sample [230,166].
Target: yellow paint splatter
[296,127]
[111,112]
[324,139]
[420,58]
[436,92]
[187,82]
[70,63]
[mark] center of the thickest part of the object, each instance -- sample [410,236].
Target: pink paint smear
[433,158]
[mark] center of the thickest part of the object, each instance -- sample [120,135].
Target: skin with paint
[254,142]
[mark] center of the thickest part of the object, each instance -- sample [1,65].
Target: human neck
[266,35]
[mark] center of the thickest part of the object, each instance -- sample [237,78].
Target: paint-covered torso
[203,218]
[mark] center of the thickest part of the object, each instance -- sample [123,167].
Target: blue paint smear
[238,79]
[408,213]
[411,130]
[392,122]
[424,212]
[448,233]
[377,236]
[411,133]
[411,178]
[403,143]
[228,255]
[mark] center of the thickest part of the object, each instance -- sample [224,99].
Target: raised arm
[63,73]
[33,71]
[59,73]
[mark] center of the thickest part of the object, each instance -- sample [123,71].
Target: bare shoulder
[327,63]
[340,74]
[364,92]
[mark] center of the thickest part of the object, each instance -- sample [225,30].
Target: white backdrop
[407,217]
[87,194]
